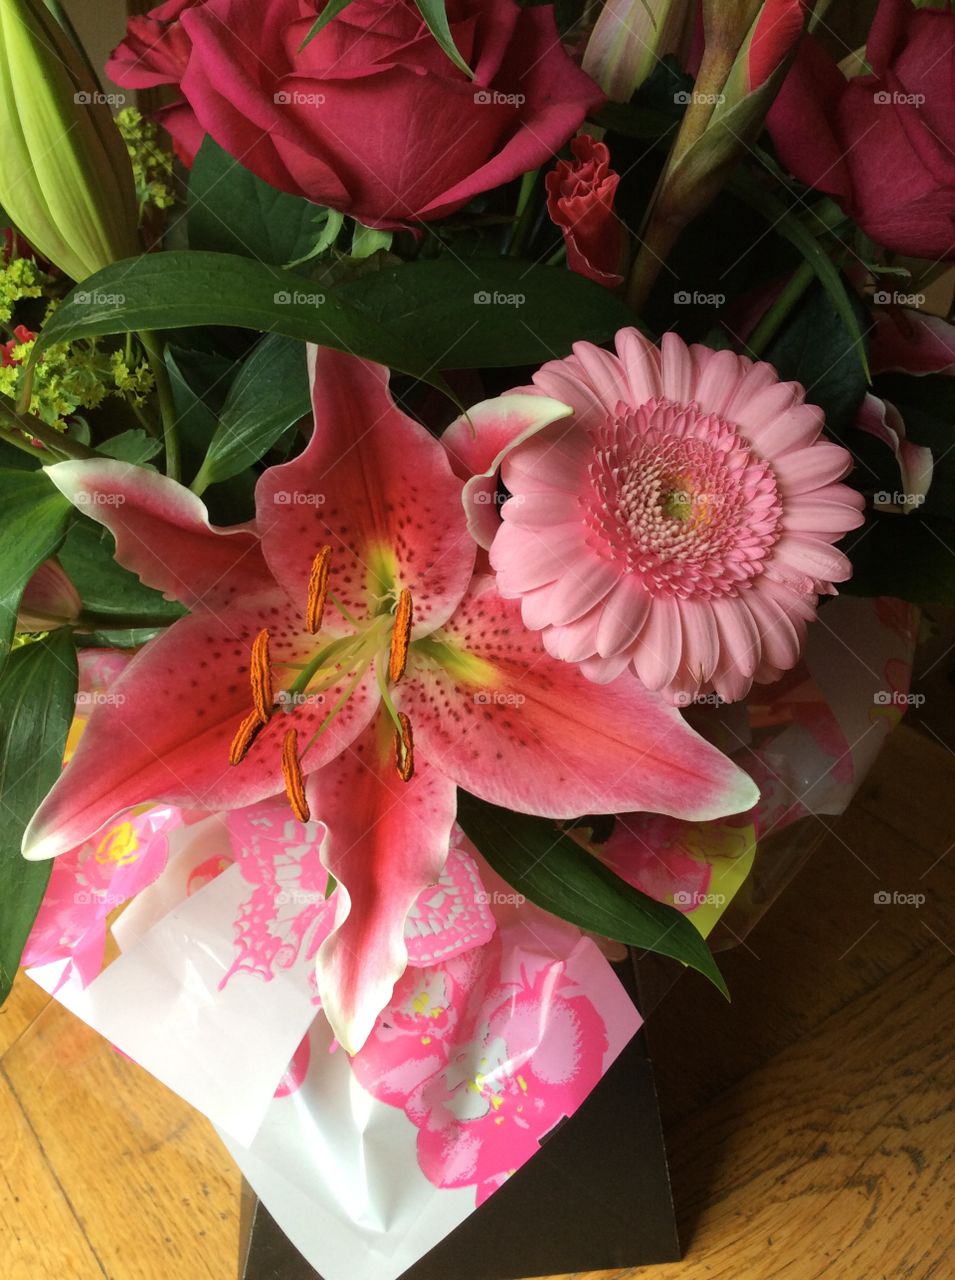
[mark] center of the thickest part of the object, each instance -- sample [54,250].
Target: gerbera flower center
[681,500]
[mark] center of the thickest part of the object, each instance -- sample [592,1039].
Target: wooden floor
[809,1122]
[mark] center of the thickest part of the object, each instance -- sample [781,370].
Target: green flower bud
[65,176]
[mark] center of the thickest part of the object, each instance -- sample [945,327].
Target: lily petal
[478,442]
[529,732]
[164,731]
[387,841]
[374,486]
[163,533]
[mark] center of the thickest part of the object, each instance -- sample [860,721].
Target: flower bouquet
[468,473]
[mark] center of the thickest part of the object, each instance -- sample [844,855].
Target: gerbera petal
[521,729]
[678,371]
[477,442]
[739,635]
[163,533]
[718,378]
[661,644]
[605,374]
[583,584]
[622,617]
[807,469]
[641,360]
[387,841]
[378,489]
[164,732]
[525,558]
[701,647]
[817,559]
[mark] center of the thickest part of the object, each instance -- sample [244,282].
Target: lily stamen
[260,676]
[400,637]
[404,748]
[245,735]
[317,590]
[292,775]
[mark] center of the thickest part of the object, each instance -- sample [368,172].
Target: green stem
[525,213]
[54,440]
[16,439]
[772,320]
[167,405]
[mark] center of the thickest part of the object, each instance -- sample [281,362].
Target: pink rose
[156,51]
[883,144]
[580,195]
[372,118]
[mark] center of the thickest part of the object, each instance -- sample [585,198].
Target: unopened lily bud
[629,39]
[65,179]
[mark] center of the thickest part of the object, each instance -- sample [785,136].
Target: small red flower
[580,196]
[21,336]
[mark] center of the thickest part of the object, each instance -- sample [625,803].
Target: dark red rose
[883,144]
[372,118]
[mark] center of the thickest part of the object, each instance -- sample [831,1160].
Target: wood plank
[152,1186]
[25,1002]
[39,1233]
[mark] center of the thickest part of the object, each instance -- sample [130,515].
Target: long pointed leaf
[436,17]
[37,693]
[556,874]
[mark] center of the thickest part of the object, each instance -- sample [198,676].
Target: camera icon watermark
[296,98]
[297,298]
[498,698]
[890,298]
[96,98]
[683,98]
[690,899]
[85,298]
[896,498]
[485,298]
[495,498]
[298,498]
[684,298]
[895,899]
[492,98]
[896,98]
[895,698]
[288,701]
[86,700]
[97,498]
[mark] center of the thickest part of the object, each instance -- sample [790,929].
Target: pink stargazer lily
[351,605]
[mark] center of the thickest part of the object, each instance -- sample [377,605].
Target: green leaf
[35,517]
[908,556]
[131,446]
[416,318]
[185,289]
[332,9]
[37,692]
[269,395]
[435,15]
[785,223]
[488,312]
[816,349]
[106,587]
[233,211]
[554,872]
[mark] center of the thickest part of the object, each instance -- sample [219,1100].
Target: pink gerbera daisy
[680,522]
